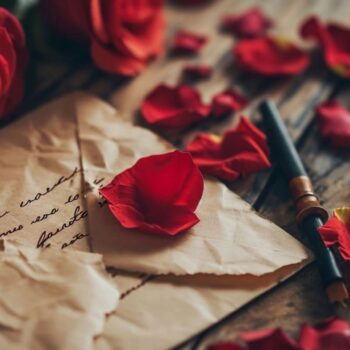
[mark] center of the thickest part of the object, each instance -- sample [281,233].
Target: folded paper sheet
[43,155]
[229,239]
[46,294]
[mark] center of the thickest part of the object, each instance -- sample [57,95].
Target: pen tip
[338,293]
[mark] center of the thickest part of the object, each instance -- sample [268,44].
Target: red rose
[334,40]
[239,152]
[159,194]
[173,107]
[123,34]
[270,56]
[13,61]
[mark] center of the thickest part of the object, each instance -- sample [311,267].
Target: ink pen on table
[310,214]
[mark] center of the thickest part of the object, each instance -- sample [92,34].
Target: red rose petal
[159,194]
[186,42]
[336,231]
[173,107]
[197,71]
[250,24]
[332,334]
[269,339]
[334,123]
[226,102]
[270,56]
[334,41]
[239,152]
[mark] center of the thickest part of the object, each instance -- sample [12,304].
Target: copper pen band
[305,199]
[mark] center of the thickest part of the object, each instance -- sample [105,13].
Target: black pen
[310,214]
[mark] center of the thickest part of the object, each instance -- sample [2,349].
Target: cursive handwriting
[72,198]
[99,182]
[45,216]
[4,214]
[60,181]
[75,238]
[12,230]
[45,236]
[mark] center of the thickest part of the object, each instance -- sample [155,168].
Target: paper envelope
[49,201]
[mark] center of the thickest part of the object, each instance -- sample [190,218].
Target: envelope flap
[230,238]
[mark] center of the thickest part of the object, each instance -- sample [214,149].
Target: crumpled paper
[52,299]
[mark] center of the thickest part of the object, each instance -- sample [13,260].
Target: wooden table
[301,298]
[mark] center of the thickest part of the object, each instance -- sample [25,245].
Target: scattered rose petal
[250,24]
[225,346]
[334,41]
[159,194]
[334,123]
[270,56]
[186,42]
[226,102]
[269,339]
[173,107]
[238,152]
[13,62]
[336,231]
[197,71]
[332,334]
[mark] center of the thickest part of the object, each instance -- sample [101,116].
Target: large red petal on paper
[334,41]
[250,24]
[197,71]
[159,194]
[186,42]
[239,152]
[226,102]
[270,56]
[173,107]
[336,231]
[334,123]
[269,339]
[332,334]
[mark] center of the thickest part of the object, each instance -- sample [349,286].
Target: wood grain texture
[301,299]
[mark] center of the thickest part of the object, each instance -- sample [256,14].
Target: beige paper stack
[171,287]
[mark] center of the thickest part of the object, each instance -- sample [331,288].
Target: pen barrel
[280,141]
[310,214]
[306,201]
